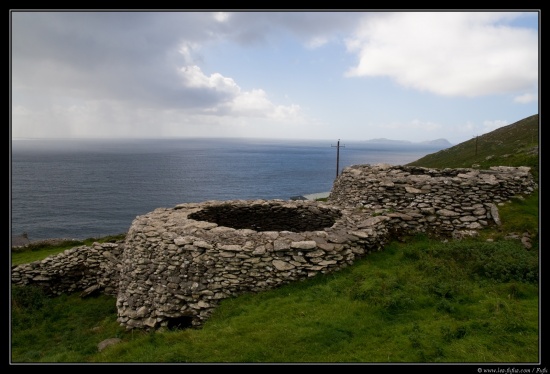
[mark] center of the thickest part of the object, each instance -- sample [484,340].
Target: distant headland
[436,143]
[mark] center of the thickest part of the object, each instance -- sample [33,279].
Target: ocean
[80,189]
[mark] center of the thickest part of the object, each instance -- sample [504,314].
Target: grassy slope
[512,145]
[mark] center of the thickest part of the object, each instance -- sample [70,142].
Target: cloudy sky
[303,75]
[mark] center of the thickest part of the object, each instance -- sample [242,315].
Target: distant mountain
[437,142]
[442,143]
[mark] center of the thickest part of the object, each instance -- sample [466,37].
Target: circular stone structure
[180,262]
[269,217]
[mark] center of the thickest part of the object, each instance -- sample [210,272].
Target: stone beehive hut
[176,264]
[186,259]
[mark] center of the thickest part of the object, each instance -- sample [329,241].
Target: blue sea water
[91,188]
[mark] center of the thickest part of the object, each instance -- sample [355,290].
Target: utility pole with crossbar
[338,155]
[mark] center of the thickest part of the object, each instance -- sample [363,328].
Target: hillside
[513,145]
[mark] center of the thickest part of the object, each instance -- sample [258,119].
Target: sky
[354,75]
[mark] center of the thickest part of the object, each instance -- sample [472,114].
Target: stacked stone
[77,269]
[440,201]
[179,266]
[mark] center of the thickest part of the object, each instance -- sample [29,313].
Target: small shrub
[507,263]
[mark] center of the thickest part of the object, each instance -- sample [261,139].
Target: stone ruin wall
[84,269]
[177,264]
[444,202]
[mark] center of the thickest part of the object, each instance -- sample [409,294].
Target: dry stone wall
[444,202]
[176,264]
[80,269]
[179,267]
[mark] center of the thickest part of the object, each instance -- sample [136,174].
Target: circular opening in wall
[264,217]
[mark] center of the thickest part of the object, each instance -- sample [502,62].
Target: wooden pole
[337,157]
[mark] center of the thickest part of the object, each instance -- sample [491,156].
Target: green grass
[418,301]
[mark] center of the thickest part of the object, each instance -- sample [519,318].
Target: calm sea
[91,188]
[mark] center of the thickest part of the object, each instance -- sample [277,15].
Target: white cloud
[236,102]
[221,16]
[253,103]
[256,104]
[187,50]
[317,42]
[195,78]
[447,53]
[526,98]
